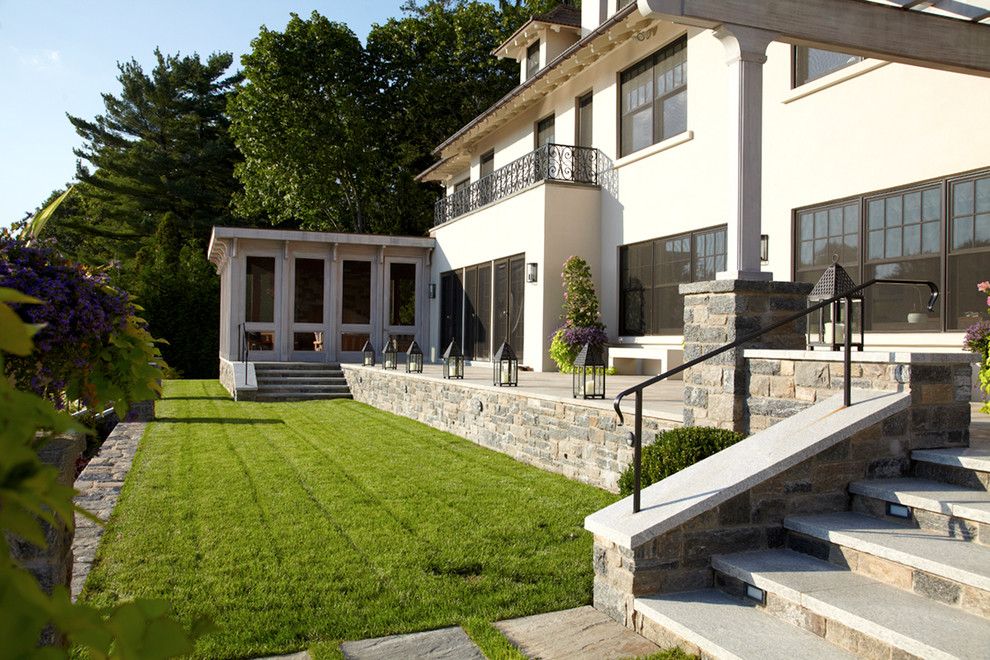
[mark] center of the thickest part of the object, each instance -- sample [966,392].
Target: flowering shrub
[977,340]
[580,315]
[90,345]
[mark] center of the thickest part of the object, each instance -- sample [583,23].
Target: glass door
[401,285]
[355,310]
[309,340]
[259,340]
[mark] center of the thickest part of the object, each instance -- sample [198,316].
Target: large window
[938,231]
[582,129]
[308,305]
[259,290]
[651,272]
[402,293]
[477,310]
[654,98]
[813,63]
[544,131]
[532,59]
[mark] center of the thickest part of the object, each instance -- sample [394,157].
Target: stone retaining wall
[778,386]
[578,441]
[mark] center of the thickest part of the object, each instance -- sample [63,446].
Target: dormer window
[532,59]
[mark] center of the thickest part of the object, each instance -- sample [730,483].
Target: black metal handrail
[242,344]
[551,162]
[846,297]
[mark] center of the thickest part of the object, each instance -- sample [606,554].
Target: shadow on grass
[218,420]
[196,398]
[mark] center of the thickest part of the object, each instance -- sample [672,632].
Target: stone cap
[762,456]
[746,286]
[882,357]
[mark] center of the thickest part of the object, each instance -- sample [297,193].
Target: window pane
[354,341]
[307,341]
[674,115]
[835,221]
[356,290]
[964,303]
[260,290]
[931,205]
[912,240]
[912,207]
[308,305]
[930,241]
[813,63]
[807,226]
[892,242]
[851,214]
[584,120]
[981,230]
[876,245]
[876,213]
[893,211]
[962,233]
[532,60]
[889,306]
[983,195]
[821,224]
[517,291]
[402,294]
[962,198]
[807,253]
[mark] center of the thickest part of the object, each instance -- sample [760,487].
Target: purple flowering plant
[90,346]
[581,320]
[977,340]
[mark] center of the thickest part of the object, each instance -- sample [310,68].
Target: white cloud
[39,59]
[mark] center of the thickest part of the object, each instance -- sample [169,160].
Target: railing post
[847,354]
[637,449]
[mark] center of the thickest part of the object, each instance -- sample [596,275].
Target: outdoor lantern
[505,367]
[390,355]
[453,361]
[827,326]
[369,354]
[531,272]
[414,359]
[588,377]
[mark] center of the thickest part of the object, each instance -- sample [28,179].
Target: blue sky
[59,56]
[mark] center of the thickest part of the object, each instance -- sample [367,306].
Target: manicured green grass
[294,525]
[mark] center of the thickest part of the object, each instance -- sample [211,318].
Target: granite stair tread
[935,496]
[722,626]
[972,459]
[904,620]
[930,551]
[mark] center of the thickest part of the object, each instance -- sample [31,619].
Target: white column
[746,52]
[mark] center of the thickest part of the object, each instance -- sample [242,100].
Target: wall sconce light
[764,247]
[531,272]
[433,290]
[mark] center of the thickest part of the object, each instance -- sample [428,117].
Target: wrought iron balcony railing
[551,162]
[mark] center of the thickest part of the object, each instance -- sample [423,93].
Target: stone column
[746,52]
[717,313]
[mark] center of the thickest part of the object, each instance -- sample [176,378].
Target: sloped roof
[560,15]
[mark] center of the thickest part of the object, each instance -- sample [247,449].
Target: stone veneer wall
[717,313]
[578,441]
[780,385]
[680,559]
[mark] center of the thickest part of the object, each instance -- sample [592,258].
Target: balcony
[551,162]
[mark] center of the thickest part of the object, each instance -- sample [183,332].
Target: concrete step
[298,373]
[833,601]
[935,505]
[960,466]
[295,387]
[296,365]
[712,624]
[303,380]
[927,562]
[301,396]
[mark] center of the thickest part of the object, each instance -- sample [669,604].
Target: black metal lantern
[390,355]
[414,359]
[505,367]
[369,354]
[588,377]
[827,326]
[453,361]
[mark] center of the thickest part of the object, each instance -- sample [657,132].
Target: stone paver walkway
[446,643]
[99,487]
[582,633]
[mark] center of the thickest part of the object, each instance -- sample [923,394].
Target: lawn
[301,524]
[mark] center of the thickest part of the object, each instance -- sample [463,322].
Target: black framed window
[938,231]
[532,59]
[651,272]
[545,131]
[482,305]
[582,130]
[654,98]
[813,63]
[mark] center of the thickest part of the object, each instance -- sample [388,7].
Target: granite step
[301,396]
[928,562]
[303,380]
[299,387]
[968,467]
[833,601]
[713,624]
[934,505]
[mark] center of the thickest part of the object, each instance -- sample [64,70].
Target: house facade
[663,151]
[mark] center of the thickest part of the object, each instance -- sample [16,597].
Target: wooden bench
[636,359]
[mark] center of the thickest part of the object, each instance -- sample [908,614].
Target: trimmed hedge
[675,450]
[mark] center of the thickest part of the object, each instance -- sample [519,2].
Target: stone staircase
[905,573]
[300,381]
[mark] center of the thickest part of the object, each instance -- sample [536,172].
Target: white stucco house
[668,142]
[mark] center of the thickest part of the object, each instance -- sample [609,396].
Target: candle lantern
[505,367]
[827,327]
[588,377]
[414,359]
[369,354]
[453,361]
[390,355]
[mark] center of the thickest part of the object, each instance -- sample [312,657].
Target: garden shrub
[582,324]
[675,450]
